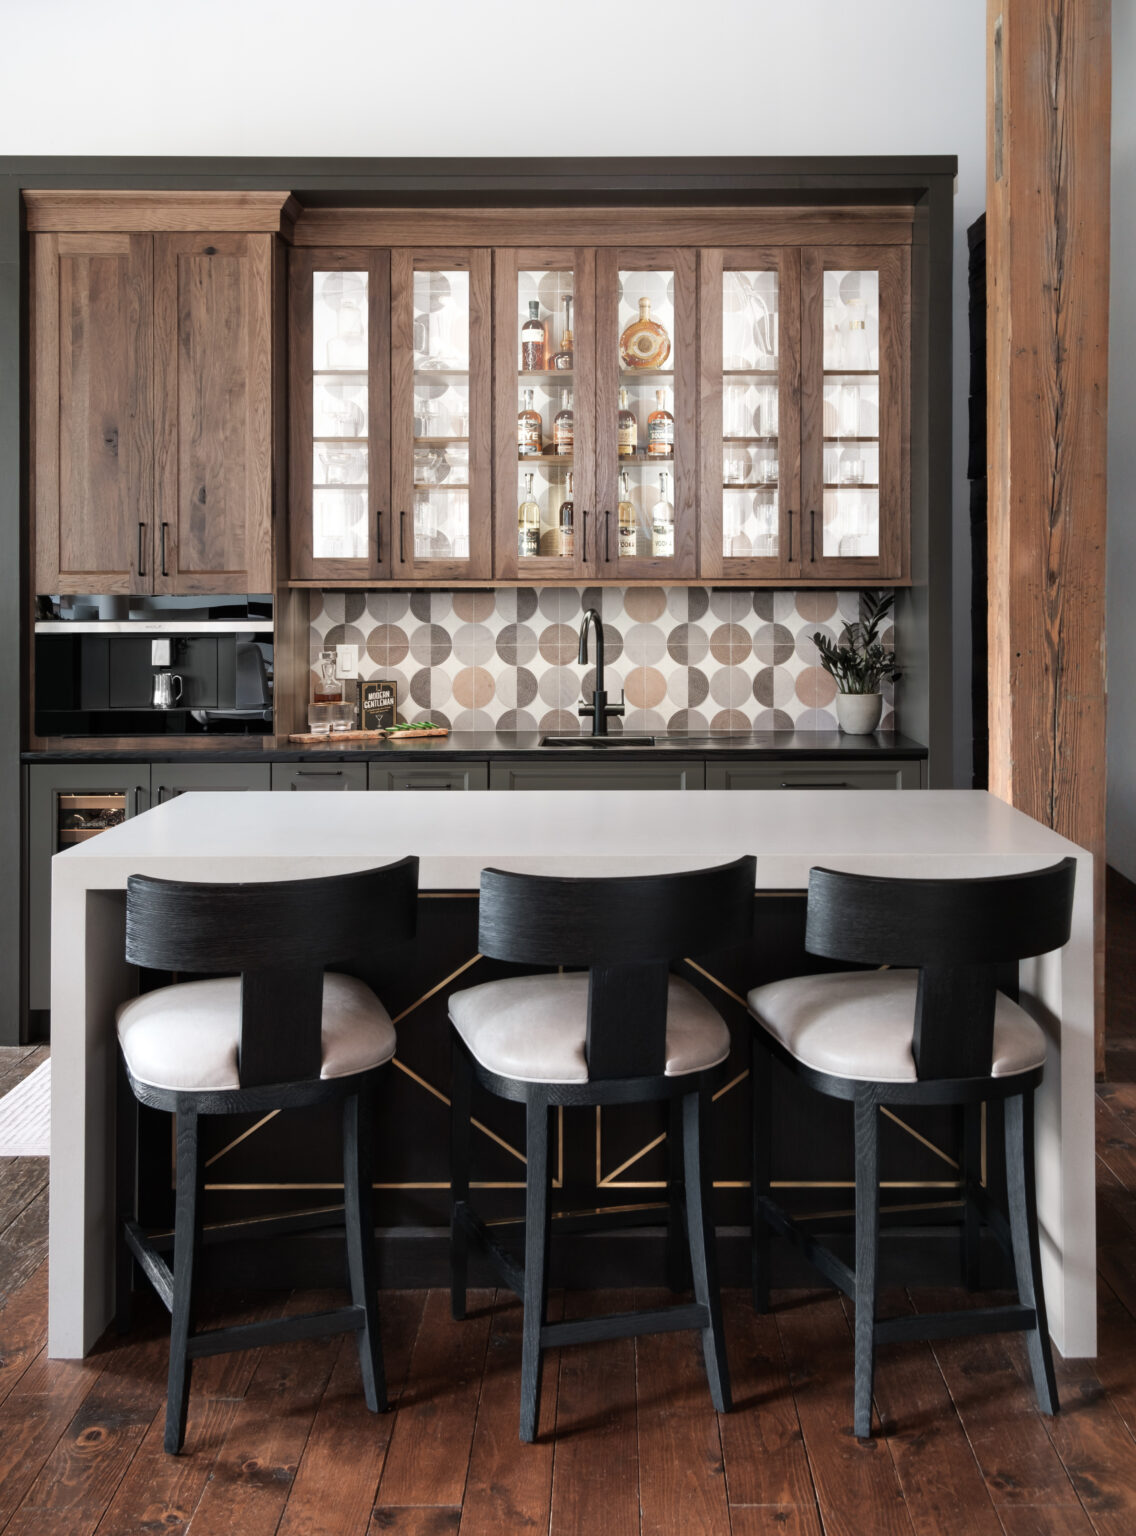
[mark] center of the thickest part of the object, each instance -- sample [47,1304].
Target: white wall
[485,77]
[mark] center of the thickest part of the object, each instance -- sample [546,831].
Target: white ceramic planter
[859,713]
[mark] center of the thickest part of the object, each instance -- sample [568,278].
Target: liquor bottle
[528,523]
[327,688]
[532,340]
[856,353]
[529,427]
[562,425]
[644,343]
[567,521]
[663,523]
[564,358]
[628,532]
[628,428]
[660,429]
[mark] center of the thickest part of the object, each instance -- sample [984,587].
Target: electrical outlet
[346,660]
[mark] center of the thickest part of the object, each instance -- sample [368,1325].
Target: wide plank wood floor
[280,1443]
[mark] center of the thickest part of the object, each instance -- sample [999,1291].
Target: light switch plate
[346,660]
[160,653]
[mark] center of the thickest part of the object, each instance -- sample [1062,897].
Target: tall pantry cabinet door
[213,333]
[93,373]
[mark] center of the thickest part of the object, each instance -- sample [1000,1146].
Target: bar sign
[377,705]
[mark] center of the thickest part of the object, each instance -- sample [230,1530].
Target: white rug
[25,1116]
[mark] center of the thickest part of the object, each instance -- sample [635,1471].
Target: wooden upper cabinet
[93,371]
[213,461]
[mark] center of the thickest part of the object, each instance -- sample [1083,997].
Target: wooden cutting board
[307,738]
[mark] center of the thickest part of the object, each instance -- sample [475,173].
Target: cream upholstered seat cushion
[185,1037]
[860,1024]
[533,1028]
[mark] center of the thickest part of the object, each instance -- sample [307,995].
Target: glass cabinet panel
[850,526]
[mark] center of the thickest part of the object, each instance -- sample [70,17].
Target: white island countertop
[224,837]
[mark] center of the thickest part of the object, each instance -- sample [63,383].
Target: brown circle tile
[697,687]
[473,607]
[558,644]
[773,687]
[388,645]
[354,606]
[516,720]
[688,720]
[643,604]
[730,720]
[763,606]
[730,644]
[646,688]
[698,603]
[613,644]
[772,720]
[773,644]
[420,688]
[814,687]
[526,604]
[425,606]
[688,644]
[560,722]
[816,607]
[345,634]
[516,645]
[473,687]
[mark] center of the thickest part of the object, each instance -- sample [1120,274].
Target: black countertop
[459,746]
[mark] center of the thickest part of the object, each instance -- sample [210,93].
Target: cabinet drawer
[428,776]
[170,779]
[319,776]
[894,774]
[526,773]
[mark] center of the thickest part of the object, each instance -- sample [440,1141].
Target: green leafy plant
[859,663]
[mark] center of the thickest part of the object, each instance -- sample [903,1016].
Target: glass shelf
[525,375]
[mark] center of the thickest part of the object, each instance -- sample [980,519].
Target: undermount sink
[597,741]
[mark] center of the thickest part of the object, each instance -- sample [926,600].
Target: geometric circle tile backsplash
[688,658]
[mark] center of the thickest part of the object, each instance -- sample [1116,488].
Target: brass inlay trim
[721,985]
[606,1183]
[911,1131]
[733,1083]
[445,981]
[217,1156]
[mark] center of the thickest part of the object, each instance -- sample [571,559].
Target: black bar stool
[280,1034]
[621,1031]
[937,1031]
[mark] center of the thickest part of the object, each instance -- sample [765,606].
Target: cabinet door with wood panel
[855,412]
[213,334]
[339,372]
[750,433]
[441,413]
[93,389]
[545,393]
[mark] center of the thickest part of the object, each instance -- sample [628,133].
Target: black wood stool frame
[280,936]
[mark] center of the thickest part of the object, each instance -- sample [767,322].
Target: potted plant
[858,664]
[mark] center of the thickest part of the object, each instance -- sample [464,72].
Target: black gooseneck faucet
[599,709]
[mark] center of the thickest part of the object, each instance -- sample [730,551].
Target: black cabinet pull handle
[812,534]
[584,539]
[141,550]
[804,784]
[402,537]
[607,535]
[164,527]
[378,534]
[789,514]
[423,784]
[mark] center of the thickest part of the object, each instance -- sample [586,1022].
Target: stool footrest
[275,1330]
[154,1267]
[953,1325]
[509,1270]
[625,1325]
[821,1258]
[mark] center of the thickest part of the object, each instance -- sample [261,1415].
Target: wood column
[1047,234]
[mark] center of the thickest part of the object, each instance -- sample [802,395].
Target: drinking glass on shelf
[735,468]
[734,541]
[850,410]
[736,420]
[343,466]
[348,347]
[765,524]
[851,467]
[768,410]
[767,471]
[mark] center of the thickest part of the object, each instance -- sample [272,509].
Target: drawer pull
[421,784]
[807,784]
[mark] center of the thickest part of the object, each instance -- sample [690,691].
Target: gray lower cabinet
[428,776]
[168,780]
[749,774]
[319,776]
[66,801]
[542,773]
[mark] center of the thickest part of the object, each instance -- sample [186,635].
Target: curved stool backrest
[626,931]
[957,933]
[280,936]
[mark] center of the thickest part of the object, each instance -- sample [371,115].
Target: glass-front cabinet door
[546,416]
[441,413]
[855,330]
[646,407]
[750,414]
[340,528]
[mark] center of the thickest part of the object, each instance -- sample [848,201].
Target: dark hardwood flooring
[280,1441]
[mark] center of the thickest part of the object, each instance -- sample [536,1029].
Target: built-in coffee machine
[152,666]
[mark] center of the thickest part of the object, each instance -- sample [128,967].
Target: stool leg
[761,1070]
[187,1240]
[678,1253]
[970,1173]
[461,1109]
[537,1177]
[359,1222]
[867,1252]
[126,1195]
[703,1245]
[1027,1253]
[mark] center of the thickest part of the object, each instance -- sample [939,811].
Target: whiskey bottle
[663,523]
[628,533]
[660,429]
[644,343]
[532,340]
[562,426]
[564,358]
[628,428]
[528,523]
[567,521]
[529,427]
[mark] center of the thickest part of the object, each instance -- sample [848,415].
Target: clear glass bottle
[565,357]
[628,530]
[567,540]
[529,428]
[347,349]
[628,428]
[563,431]
[528,523]
[326,687]
[644,343]
[663,523]
[856,354]
[532,340]
[660,429]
